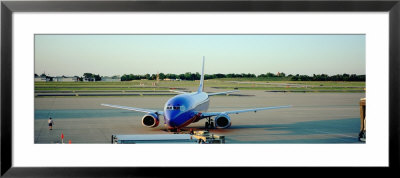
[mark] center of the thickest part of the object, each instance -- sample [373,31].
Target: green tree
[124,78]
[231,75]
[182,76]
[188,76]
[197,76]
[153,77]
[97,77]
[88,75]
[147,76]
[220,75]
[207,76]
[269,74]
[161,76]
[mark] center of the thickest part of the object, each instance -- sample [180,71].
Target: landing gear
[173,130]
[209,124]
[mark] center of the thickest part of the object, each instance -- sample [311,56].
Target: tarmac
[313,118]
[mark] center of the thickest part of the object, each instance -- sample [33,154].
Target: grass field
[228,84]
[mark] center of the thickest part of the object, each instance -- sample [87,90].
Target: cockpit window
[175,107]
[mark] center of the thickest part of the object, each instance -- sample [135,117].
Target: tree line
[279,76]
[324,77]
[86,76]
[196,76]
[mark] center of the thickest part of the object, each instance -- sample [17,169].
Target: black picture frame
[8,7]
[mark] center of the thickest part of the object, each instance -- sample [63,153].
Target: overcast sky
[109,55]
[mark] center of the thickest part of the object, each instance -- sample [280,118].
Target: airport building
[65,79]
[42,79]
[56,79]
[111,79]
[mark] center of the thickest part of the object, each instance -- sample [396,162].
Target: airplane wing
[209,114]
[176,91]
[134,109]
[220,93]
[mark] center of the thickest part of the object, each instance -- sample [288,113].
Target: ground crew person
[51,123]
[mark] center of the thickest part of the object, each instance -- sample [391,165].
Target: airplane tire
[207,125]
[212,125]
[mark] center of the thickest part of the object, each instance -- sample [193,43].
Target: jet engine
[150,120]
[222,121]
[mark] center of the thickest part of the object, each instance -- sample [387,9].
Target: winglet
[201,87]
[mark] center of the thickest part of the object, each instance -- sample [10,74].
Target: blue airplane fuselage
[183,109]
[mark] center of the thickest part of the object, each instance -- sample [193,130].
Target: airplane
[186,108]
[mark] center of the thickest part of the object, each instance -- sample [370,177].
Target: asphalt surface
[313,118]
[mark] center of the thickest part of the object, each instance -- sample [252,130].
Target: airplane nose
[171,119]
[171,123]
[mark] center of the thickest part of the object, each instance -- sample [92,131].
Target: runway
[313,118]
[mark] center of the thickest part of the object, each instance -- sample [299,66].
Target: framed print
[85,57]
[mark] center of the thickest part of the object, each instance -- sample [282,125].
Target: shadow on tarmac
[333,131]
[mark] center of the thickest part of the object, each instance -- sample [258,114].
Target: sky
[108,55]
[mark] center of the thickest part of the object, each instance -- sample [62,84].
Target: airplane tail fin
[201,87]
